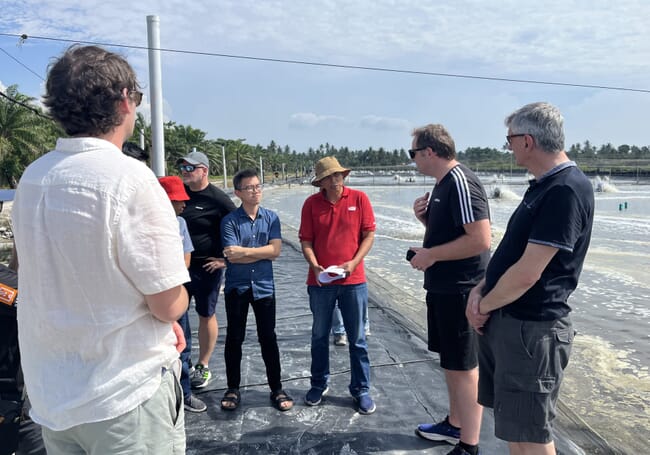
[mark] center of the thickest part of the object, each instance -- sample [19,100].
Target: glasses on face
[252,188]
[510,136]
[412,152]
[136,96]
[188,167]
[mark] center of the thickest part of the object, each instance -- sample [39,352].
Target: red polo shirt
[335,230]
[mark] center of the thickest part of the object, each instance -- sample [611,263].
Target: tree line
[27,133]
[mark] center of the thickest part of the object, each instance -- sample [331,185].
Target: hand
[316,269]
[422,260]
[349,267]
[180,337]
[234,253]
[213,264]
[420,206]
[473,311]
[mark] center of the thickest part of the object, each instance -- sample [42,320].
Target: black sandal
[279,398]
[230,400]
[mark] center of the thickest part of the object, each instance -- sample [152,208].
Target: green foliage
[24,135]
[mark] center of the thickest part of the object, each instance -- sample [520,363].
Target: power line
[23,37]
[26,106]
[22,64]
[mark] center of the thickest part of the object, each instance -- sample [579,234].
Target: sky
[594,42]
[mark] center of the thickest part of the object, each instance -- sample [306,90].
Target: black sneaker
[458,450]
[200,376]
[315,396]
[193,404]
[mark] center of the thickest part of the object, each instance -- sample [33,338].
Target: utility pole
[155,94]
[223,162]
[238,147]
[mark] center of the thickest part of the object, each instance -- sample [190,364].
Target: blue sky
[580,42]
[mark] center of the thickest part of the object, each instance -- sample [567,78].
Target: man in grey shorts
[521,306]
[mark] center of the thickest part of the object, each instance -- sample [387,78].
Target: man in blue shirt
[251,239]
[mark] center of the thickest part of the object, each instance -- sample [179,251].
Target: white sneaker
[340,339]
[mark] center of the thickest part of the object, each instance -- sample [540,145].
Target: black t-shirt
[203,214]
[458,199]
[558,211]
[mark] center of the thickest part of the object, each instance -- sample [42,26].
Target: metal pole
[155,95]
[142,139]
[261,172]
[225,171]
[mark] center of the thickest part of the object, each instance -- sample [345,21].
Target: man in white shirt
[101,273]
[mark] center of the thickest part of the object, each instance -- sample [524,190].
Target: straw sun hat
[326,167]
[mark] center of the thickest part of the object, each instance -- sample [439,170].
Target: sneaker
[340,339]
[458,450]
[200,377]
[194,404]
[365,405]
[315,396]
[441,431]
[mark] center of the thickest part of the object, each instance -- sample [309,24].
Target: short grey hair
[543,121]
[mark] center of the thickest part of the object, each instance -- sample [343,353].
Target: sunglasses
[188,167]
[136,96]
[412,152]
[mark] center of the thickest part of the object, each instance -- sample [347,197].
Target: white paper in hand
[332,273]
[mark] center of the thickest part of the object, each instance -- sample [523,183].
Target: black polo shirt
[457,199]
[557,210]
[203,214]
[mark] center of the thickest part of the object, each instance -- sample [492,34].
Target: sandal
[230,400]
[281,401]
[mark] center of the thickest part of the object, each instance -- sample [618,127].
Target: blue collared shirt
[237,228]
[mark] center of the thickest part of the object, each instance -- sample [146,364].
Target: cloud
[305,120]
[384,123]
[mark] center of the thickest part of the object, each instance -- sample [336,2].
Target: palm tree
[24,136]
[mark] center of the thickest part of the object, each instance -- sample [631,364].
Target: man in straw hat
[337,229]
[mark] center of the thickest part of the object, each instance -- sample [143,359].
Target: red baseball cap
[173,185]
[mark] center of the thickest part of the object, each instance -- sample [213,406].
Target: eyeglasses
[188,167]
[412,152]
[252,188]
[137,97]
[509,137]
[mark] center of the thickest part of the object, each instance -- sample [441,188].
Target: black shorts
[204,287]
[449,333]
[521,366]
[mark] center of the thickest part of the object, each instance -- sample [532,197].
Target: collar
[242,213]
[84,144]
[346,193]
[555,170]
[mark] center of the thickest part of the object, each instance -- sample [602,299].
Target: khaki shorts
[157,426]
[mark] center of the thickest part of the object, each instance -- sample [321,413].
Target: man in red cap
[175,189]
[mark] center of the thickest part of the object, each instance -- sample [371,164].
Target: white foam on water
[608,391]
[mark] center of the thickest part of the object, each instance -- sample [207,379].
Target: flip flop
[230,400]
[279,398]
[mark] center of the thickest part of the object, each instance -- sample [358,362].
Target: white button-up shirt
[95,232]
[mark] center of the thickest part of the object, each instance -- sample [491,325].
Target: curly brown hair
[83,88]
